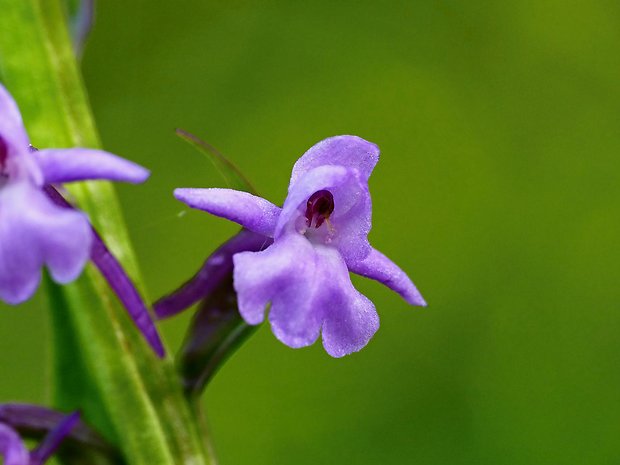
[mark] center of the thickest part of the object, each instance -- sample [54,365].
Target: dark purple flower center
[4,153]
[319,207]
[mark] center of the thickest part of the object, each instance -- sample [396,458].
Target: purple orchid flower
[38,227]
[14,451]
[319,235]
[34,231]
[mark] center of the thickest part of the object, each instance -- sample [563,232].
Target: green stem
[101,364]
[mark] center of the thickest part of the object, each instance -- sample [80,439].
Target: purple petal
[12,449]
[380,268]
[251,212]
[12,130]
[308,287]
[351,218]
[67,165]
[348,151]
[54,438]
[213,272]
[34,232]
[351,326]
[350,318]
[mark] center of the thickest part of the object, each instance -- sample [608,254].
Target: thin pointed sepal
[211,275]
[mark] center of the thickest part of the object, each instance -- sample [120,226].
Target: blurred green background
[497,191]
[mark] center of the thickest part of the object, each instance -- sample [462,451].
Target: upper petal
[348,151]
[331,178]
[252,212]
[35,232]
[12,449]
[380,268]
[351,218]
[77,164]
[12,129]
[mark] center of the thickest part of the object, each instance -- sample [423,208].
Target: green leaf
[233,176]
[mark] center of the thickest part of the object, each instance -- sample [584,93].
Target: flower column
[101,364]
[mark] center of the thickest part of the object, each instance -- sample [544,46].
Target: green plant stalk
[101,363]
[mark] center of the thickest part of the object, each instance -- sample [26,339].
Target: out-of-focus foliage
[497,189]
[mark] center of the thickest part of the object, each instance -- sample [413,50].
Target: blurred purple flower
[14,451]
[34,231]
[320,234]
[81,24]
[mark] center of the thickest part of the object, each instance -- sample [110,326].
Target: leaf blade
[227,169]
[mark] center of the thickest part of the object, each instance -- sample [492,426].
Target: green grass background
[497,191]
